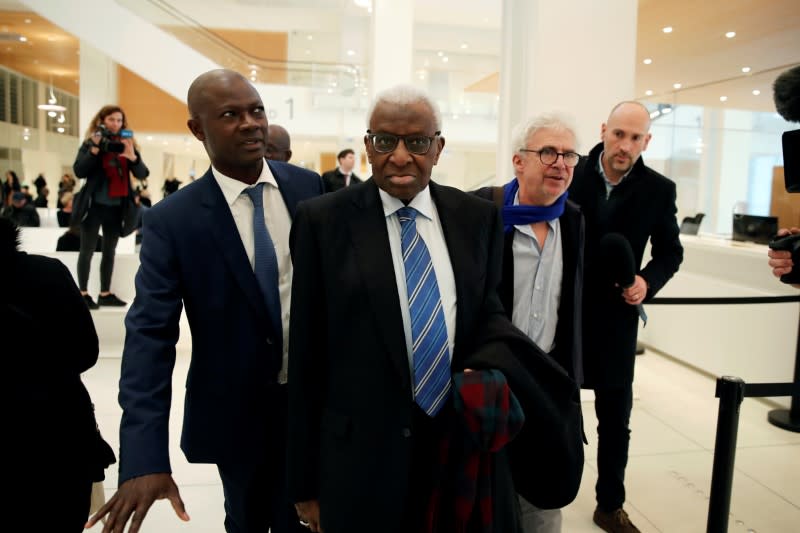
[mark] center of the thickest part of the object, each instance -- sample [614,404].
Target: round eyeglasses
[548,156]
[384,143]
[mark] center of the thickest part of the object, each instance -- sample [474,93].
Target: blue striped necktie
[266,262]
[431,352]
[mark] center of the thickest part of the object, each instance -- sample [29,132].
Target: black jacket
[641,207]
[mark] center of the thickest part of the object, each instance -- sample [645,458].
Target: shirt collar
[422,202]
[233,188]
[602,171]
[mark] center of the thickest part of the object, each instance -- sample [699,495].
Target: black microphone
[618,263]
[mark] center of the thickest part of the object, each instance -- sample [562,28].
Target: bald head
[631,108]
[278,144]
[205,85]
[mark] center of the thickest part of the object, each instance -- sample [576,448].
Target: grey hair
[403,95]
[552,121]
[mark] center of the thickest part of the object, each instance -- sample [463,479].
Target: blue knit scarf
[520,215]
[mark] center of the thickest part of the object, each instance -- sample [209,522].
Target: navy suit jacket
[192,257]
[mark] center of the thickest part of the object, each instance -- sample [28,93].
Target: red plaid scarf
[488,417]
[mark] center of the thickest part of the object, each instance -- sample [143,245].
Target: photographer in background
[107,158]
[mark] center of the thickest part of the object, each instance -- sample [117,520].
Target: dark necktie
[266,262]
[431,352]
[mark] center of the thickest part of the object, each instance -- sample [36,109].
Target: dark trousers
[66,512]
[613,408]
[256,499]
[110,218]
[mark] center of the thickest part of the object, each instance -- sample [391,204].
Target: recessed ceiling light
[252,78]
[730,34]
[149,137]
[756,92]
[23,39]
[723,98]
[667,29]
[445,59]
[464,46]
[27,21]
[351,52]
[648,92]
[310,37]
[647,61]
[253,72]
[676,85]
[745,69]
[60,130]
[440,53]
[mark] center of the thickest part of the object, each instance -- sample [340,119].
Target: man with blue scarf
[543,272]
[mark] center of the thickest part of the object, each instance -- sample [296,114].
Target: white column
[575,56]
[98,84]
[392,47]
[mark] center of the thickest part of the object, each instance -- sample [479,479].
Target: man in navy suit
[199,253]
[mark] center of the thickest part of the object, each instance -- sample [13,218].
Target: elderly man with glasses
[397,276]
[541,287]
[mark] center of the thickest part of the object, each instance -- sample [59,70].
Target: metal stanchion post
[730,391]
[790,419]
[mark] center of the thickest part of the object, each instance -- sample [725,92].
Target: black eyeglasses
[385,143]
[548,156]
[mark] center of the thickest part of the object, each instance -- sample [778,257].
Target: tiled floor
[668,477]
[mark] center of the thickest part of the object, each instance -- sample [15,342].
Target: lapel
[370,241]
[289,193]
[222,228]
[461,242]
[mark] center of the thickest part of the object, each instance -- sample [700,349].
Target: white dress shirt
[278,222]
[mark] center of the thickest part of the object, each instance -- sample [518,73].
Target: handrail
[240,56]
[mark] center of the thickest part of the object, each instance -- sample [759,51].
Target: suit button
[406,432]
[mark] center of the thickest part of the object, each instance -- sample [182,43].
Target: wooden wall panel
[785,206]
[147,107]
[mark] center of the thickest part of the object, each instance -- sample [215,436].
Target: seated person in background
[171,185]
[21,212]
[26,190]
[64,213]
[41,199]
[70,241]
[781,260]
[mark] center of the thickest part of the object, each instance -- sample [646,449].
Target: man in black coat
[343,175]
[619,194]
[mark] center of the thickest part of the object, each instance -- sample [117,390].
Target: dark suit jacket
[350,399]
[192,256]
[568,352]
[641,207]
[334,180]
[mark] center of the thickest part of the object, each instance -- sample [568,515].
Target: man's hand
[134,498]
[781,260]
[636,293]
[308,513]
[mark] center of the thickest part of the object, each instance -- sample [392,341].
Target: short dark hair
[345,153]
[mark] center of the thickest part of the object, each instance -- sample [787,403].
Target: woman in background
[107,161]
[10,185]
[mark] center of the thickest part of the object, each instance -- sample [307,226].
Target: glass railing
[229,49]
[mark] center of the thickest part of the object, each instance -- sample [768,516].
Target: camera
[109,142]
